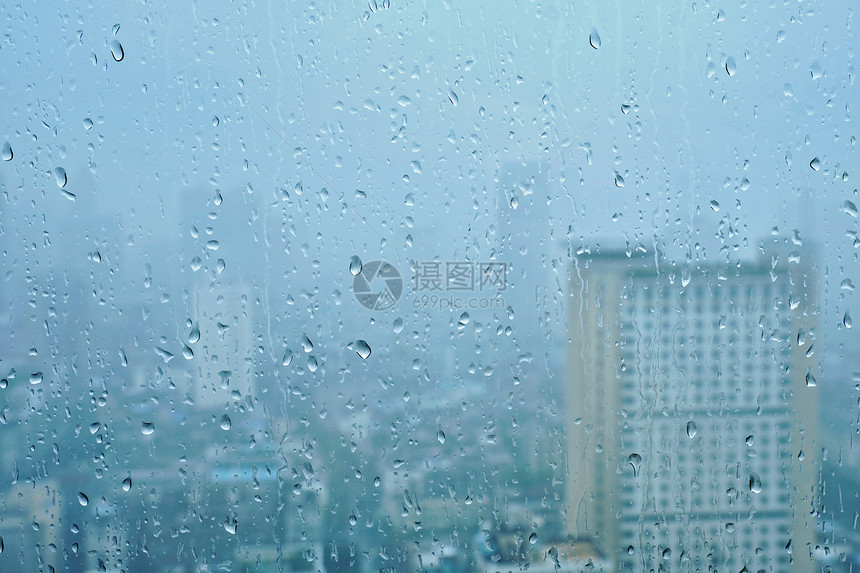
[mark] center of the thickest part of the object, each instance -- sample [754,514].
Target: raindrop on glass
[452,97]
[116,50]
[83,499]
[354,265]
[691,429]
[6,153]
[440,435]
[619,180]
[194,335]
[731,66]
[147,428]
[846,320]
[288,357]
[60,177]
[815,164]
[362,349]
[755,483]
[36,378]
[307,345]
[594,39]
[226,423]
[126,484]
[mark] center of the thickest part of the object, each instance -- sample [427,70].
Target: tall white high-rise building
[692,412]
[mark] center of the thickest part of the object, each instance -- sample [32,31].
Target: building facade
[692,412]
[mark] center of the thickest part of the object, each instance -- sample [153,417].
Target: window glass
[443,286]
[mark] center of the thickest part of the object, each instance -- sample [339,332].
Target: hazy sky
[406,113]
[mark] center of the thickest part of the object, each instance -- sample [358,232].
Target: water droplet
[815,164]
[452,97]
[60,177]
[731,66]
[810,380]
[6,153]
[4,383]
[440,435]
[691,429]
[625,108]
[630,550]
[594,39]
[721,16]
[147,428]
[215,121]
[36,378]
[83,499]
[667,553]
[750,440]
[398,325]
[194,335]
[2,545]
[533,538]
[196,263]
[231,527]
[377,482]
[313,365]
[635,461]
[755,483]
[115,29]
[715,205]
[619,180]
[362,349]
[846,320]
[187,352]
[354,265]
[288,357]
[88,123]
[226,423]
[850,208]
[126,484]
[464,320]
[116,50]
[307,345]
[353,520]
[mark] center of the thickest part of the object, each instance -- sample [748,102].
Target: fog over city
[453,286]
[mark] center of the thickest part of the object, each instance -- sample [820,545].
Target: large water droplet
[83,499]
[533,538]
[60,177]
[226,423]
[815,164]
[126,484]
[452,97]
[147,428]
[288,357]
[440,435]
[398,325]
[307,345]
[362,348]
[594,39]
[464,320]
[36,378]
[194,335]
[731,66]
[691,429]
[850,208]
[619,180]
[846,320]
[755,483]
[354,265]
[6,153]
[116,50]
